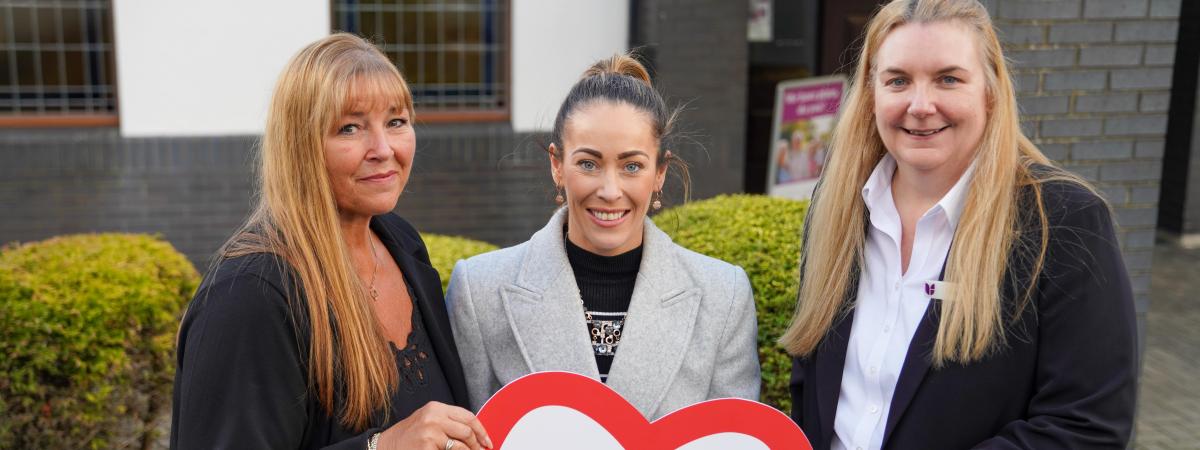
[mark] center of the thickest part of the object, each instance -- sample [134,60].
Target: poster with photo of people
[805,111]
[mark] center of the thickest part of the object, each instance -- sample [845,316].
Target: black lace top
[421,377]
[241,379]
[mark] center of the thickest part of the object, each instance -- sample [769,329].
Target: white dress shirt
[889,306]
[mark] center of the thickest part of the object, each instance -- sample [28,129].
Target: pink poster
[805,111]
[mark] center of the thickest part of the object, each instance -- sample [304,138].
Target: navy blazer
[1064,379]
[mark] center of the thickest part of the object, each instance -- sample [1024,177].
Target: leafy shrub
[444,251]
[762,235]
[87,329]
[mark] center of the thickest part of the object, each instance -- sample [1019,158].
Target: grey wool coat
[690,334]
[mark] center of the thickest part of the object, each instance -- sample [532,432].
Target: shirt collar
[878,189]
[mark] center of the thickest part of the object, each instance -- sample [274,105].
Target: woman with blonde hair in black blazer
[958,290]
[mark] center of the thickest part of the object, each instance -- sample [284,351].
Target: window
[56,62]
[453,53]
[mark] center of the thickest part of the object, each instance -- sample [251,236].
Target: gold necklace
[374,293]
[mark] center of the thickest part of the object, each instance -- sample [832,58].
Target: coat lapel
[916,361]
[544,309]
[658,326]
[916,365]
[411,256]
[830,362]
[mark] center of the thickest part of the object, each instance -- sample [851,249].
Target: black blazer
[1065,379]
[241,371]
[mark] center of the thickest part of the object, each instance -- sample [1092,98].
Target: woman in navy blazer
[958,290]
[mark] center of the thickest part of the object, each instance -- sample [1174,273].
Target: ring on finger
[450,443]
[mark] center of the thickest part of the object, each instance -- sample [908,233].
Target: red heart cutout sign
[626,425]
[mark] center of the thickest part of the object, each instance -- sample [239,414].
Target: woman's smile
[608,217]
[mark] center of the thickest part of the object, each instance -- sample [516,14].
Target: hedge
[444,251]
[762,235]
[87,332]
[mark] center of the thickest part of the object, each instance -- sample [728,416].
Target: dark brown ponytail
[622,79]
[620,65]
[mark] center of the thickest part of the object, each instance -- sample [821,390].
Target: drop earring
[657,204]
[559,198]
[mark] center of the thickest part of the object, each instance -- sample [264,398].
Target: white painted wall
[206,68]
[553,41]
[195,68]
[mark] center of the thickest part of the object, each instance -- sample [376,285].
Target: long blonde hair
[972,322]
[296,219]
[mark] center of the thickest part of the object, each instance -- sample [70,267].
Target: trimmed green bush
[444,251]
[87,332]
[762,235]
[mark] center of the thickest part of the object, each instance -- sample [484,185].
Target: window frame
[75,119]
[468,115]
[59,120]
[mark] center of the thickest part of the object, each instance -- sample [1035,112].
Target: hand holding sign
[553,410]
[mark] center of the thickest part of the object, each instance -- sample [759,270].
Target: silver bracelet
[373,442]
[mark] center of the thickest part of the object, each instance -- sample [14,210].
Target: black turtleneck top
[606,287]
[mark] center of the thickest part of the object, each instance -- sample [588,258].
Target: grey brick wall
[192,191]
[480,181]
[1110,61]
[700,57]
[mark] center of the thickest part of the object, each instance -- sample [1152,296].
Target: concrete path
[1169,397]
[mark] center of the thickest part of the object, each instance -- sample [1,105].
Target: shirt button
[897,285]
[874,409]
[874,370]
[887,328]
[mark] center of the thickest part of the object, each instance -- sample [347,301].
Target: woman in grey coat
[600,291]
